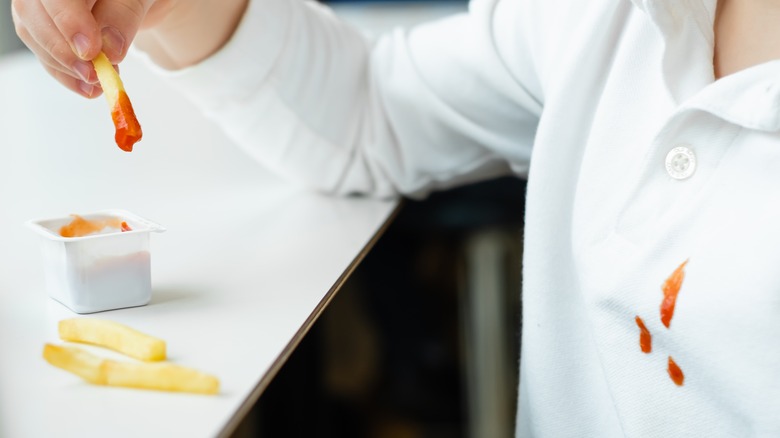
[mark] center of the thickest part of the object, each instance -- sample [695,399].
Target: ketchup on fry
[128,130]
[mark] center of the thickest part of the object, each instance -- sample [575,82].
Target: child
[649,131]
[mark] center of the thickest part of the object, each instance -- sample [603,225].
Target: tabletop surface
[247,264]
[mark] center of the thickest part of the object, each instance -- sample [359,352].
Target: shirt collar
[666,12]
[750,98]
[686,27]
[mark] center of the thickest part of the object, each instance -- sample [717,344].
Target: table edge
[246,405]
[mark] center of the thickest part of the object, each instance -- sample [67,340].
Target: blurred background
[423,340]
[8,40]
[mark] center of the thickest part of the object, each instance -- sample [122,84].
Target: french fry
[158,376]
[79,362]
[128,130]
[161,376]
[112,335]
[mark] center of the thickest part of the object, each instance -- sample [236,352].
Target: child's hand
[66,34]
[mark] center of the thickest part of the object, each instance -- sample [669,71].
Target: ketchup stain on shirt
[671,288]
[675,372]
[645,340]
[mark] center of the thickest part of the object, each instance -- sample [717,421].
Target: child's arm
[310,97]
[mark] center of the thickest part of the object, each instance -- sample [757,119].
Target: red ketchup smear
[675,372]
[645,340]
[79,227]
[671,288]
[128,130]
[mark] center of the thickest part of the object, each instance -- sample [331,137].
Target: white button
[680,162]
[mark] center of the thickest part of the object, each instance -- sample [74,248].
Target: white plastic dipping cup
[101,271]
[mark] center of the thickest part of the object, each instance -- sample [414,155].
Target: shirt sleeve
[416,110]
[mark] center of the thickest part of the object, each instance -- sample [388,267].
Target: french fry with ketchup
[128,130]
[160,376]
[114,336]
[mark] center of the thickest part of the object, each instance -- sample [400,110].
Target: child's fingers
[82,70]
[76,25]
[87,90]
[119,21]
[39,32]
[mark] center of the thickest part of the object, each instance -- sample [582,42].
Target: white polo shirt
[637,161]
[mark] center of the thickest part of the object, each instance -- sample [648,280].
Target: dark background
[388,356]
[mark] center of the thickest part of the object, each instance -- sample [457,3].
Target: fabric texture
[585,99]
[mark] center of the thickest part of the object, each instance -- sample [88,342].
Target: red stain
[645,340]
[675,372]
[128,130]
[671,288]
[125,227]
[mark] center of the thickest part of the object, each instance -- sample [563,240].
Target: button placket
[677,172]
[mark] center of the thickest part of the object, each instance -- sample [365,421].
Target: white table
[247,264]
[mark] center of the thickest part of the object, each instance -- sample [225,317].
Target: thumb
[118,21]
